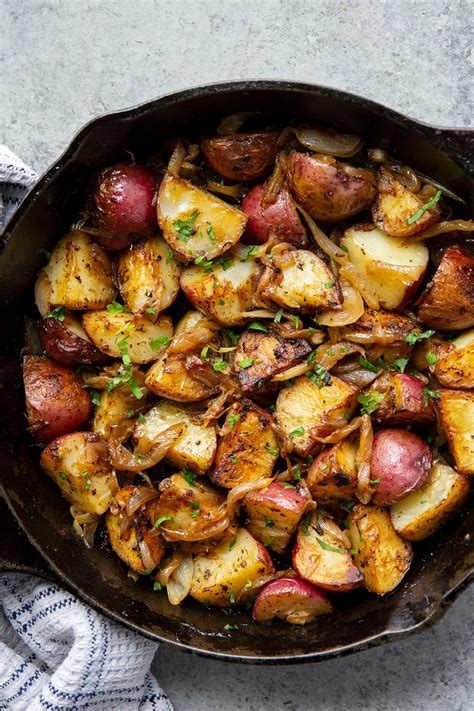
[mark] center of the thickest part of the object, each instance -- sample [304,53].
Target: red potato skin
[56,404]
[121,205]
[67,347]
[405,403]
[241,156]
[402,461]
[282,597]
[278,496]
[279,218]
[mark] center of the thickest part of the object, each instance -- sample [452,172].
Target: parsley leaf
[161,341]
[370,402]
[115,308]
[429,393]
[234,337]
[424,208]
[270,449]
[86,476]
[278,316]
[231,627]
[400,364]
[326,547]
[368,365]
[219,365]
[413,337]
[189,476]
[347,505]
[232,420]
[157,586]
[431,358]
[57,313]
[250,252]
[246,363]
[95,397]
[195,509]
[269,523]
[186,228]
[297,433]
[256,326]
[232,543]
[162,519]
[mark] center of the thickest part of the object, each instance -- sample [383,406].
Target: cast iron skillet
[441,567]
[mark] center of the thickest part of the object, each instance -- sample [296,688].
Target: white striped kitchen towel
[57,653]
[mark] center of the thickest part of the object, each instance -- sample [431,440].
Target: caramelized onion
[364,489]
[230,124]
[255,586]
[84,524]
[142,496]
[322,240]
[146,557]
[293,372]
[275,183]
[208,530]
[229,190]
[177,158]
[124,460]
[258,313]
[342,432]
[191,340]
[350,272]
[351,310]
[167,567]
[340,145]
[328,525]
[442,227]
[180,580]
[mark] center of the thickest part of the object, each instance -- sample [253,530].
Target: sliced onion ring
[322,240]
[442,227]
[230,124]
[238,493]
[124,460]
[340,145]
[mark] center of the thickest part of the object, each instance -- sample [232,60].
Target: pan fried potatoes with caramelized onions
[254,368]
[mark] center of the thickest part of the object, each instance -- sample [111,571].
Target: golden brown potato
[169,377]
[421,513]
[395,205]
[241,156]
[448,301]
[320,556]
[300,281]
[78,275]
[405,401]
[380,554]
[457,416]
[114,408]
[382,333]
[333,474]
[306,411]
[455,368]
[393,269]
[194,222]
[148,277]
[225,290]
[118,334]
[328,190]
[79,464]
[292,600]
[220,576]
[66,341]
[274,513]
[269,354]
[194,449]
[128,545]
[248,450]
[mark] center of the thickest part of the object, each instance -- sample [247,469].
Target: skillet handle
[17,555]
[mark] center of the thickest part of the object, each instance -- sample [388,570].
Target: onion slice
[229,190]
[322,240]
[124,460]
[340,145]
[230,124]
[442,227]
[238,493]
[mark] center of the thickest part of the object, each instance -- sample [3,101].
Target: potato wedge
[405,401]
[194,449]
[448,301]
[270,354]
[380,554]
[352,308]
[79,464]
[305,411]
[248,450]
[66,341]
[79,274]
[114,408]
[393,269]
[148,277]
[279,218]
[292,600]
[120,333]
[300,281]
[221,575]
[227,290]
[328,190]
[382,333]
[395,205]
[333,474]
[457,416]
[194,222]
[241,156]
[169,378]
[455,368]
[129,544]
[420,514]
[274,514]
[320,557]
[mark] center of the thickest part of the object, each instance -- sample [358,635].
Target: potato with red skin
[241,156]
[56,402]
[121,204]
[328,190]
[404,402]
[292,600]
[67,342]
[276,219]
[400,462]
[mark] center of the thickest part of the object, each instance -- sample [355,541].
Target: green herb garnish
[326,547]
[86,476]
[229,628]
[368,365]
[413,337]
[250,252]
[278,316]
[233,419]
[95,397]
[424,208]
[429,393]
[186,228]
[246,363]
[269,523]
[256,326]
[219,365]
[347,505]
[195,509]
[297,433]
[160,342]
[162,519]
[270,449]
[57,313]
[115,308]
[431,358]
[400,364]
[234,337]
[189,476]
[157,586]
[370,402]
[63,475]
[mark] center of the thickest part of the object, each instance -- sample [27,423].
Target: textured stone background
[66,61]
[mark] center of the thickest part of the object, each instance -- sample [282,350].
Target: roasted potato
[194,449]
[65,340]
[269,354]
[56,402]
[195,223]
[395,208]
[274,514]
[400,463]
[148,277]
[333,474]
[115,408]
[299,280]
[320,556]
[292,600]
[170,378]
[130,543]
[405,401]
[328,190]
[225,291]
[455,367]
[457,416]
[276,219]
[79,464]
[241,156]
[351,310]
[382,333]
[421,513]
[380,554]
[221,575]
[306,411]
[248,450]
[78,275]
[393,269]
[119,334]
[448,301]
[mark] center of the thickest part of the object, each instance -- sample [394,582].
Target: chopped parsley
[141,418]
[323,466]
[232,598]
[278,316]
[429,393]
[219,365]
[370,402]
[271,450]
[45,253]
[269,523]
[161,341]
[233,419]
[246,363]
[328,284]
[115,308]
[186,228]
[229,628]
[204,352]
[210,233]
[256,326]
[431,358]
[297,475]
[368,365]
[347,505]
[400,364]
[234,337]
[306,521]
[189,476]
[424,208]
[234,459]
[130,412]
[63,475]
[157,586]
[232,543]
[95,397]
[125,376]
[57,313]
[414,336]
[326,547]
[344,248]
[151,311]
[170,256]
[195,509]
[250,252]
[162,519]
[87,478]
[297,433]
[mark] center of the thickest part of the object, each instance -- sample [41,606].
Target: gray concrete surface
[64,62]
